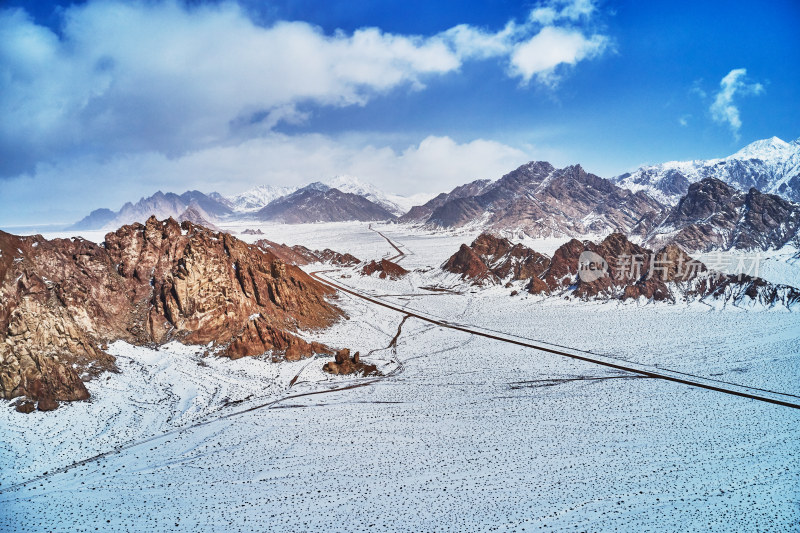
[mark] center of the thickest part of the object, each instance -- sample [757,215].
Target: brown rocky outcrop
[61,300]
[495,259]
[470,265]
[301,255]
[343,364]
[386,269]
[668,274]
[628,271]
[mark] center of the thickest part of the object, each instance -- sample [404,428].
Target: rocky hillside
[714,215]
[421,213]
[614,269]
[319,203]
[300,255]
[62,300]
[771,166]
[545,201]
[492,260]
[384,268]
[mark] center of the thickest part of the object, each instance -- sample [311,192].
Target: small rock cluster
[344,364]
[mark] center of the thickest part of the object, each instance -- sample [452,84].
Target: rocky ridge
[64,299]
[385,268]
[543,201]
[494,260]
[714,215]
[770,165]
[301,255]
[614,269]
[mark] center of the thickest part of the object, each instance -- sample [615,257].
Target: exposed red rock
[666,275]
[300,255]
[344,364]
[494,259]
[470,265]
[629,271]
[386,269]
[149,283]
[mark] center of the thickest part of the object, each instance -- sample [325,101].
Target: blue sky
[104,102]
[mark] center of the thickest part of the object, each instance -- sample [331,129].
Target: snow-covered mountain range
[538,199]
[770,165]
[260,196]
[394,203]
[256,198]
[337,199]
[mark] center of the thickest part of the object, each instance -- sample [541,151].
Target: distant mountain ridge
[357,201]
[745,202]
[161,205]
[542,201]
[713,215]
[319,203]
[770,165]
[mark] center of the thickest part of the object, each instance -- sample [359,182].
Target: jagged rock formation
[300,255]
[386,269]
[64,299]
[714,215]
[544,201]
[471,266]
[627,271]
[319,203]
[252,232]
[161,205]
[345,365]
[492,259]
[771,165]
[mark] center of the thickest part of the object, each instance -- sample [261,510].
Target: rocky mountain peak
[149,283]
[770,165]
[715,215]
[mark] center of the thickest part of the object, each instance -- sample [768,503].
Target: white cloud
[548,40]
[151,95]
[551,48]
[723,109]
[156,75]
[555,10]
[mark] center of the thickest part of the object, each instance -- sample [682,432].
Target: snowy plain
[463,433]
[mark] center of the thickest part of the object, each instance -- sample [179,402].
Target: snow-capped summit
[770,165]
[254,199]
[771,148]
[394,203]
[259,197]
